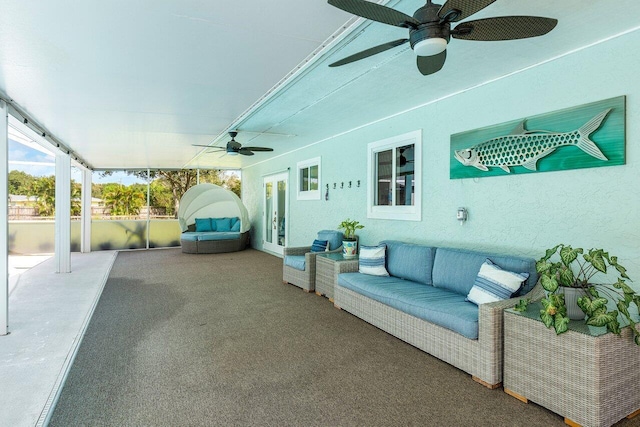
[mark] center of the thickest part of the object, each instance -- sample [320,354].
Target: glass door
[275,212]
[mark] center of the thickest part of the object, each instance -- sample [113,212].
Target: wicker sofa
[423,302]
[228,239]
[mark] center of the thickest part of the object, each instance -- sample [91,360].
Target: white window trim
[406,213]
[309,194]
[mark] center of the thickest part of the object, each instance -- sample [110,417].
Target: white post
[85,219]
[148,205]
[63,213]
[4,222]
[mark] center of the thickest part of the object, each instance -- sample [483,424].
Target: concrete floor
[48,314]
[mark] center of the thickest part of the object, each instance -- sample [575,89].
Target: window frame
[402,212]
[302,194]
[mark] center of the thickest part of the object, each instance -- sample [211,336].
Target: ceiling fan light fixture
[430,47]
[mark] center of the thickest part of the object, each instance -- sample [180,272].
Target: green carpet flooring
[217,340]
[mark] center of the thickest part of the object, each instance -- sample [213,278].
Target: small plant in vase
[350,241]
[564,269]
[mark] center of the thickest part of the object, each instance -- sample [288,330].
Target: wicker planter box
[593,381]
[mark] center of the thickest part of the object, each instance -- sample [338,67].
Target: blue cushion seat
[436,305]
[222,224]
[204,225]
[295,261]
[219,235]
[333,237]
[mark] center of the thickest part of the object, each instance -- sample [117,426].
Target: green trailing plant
[350,228]
[565,266]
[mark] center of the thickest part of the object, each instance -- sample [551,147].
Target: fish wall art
[591,135]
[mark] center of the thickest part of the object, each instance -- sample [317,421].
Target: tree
[233,183]
[123,200]
[20,182]
[44,189]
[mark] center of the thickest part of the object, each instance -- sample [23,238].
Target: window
[394,169]
[309,179]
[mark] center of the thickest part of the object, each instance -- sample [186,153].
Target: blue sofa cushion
[436,305]
[295,261]
[204,225]
[218,235]
[456,269]
[190,236]
[235,224]
[409,261]
[332,236]
[222,224]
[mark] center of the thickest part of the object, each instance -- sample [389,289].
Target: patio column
[4,222]
[85,218]
[63,213]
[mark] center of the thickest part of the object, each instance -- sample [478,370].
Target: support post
[63,213]
[4,222]
[85,219]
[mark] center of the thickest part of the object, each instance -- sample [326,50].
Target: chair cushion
[319,245]
[222,224]
[332,236]
[295,261]
[410,261]
[204,224]
[235,224]
[190,236]
[495,284]
[372,260]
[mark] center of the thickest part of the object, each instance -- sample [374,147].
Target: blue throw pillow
[495,284]
[222,224]
[319,246]
[203,224]
[372,260]
[235,224]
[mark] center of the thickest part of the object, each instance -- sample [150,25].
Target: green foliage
[565,266]
[20,182]
[522,305]
[350,228]
[124,200]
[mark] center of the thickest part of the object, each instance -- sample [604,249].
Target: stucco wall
[521,214]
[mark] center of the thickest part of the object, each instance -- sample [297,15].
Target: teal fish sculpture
[524,147]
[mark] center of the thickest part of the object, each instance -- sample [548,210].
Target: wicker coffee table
[589,376]
[328,266]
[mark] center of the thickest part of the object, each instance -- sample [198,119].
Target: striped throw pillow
[319,246]
[495,284]
[372,260]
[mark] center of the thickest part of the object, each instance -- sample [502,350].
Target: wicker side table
[328,266]
[587,375]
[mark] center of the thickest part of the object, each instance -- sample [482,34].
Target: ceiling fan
[234,148]
[430,28]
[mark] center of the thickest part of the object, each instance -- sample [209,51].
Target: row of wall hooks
[349,185]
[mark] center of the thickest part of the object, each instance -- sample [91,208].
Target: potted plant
[350,241]
[563,269]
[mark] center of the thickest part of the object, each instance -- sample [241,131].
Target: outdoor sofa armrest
[299,250]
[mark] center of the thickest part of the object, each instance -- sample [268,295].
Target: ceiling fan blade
[466,8]
[431,64]
[376,12]
[245,152]
[369,52]
[504,28]
[203,145]
[257,148]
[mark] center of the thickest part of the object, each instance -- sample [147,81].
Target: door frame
[274,179]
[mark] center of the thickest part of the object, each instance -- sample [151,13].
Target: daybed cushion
[408,261]
[235,224]
[218,235]
[222,224]
[190,236]
[456,269]
[436,305]
[204,224]
[295,261]
[332,236]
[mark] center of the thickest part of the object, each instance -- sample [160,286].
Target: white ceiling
[133,84]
